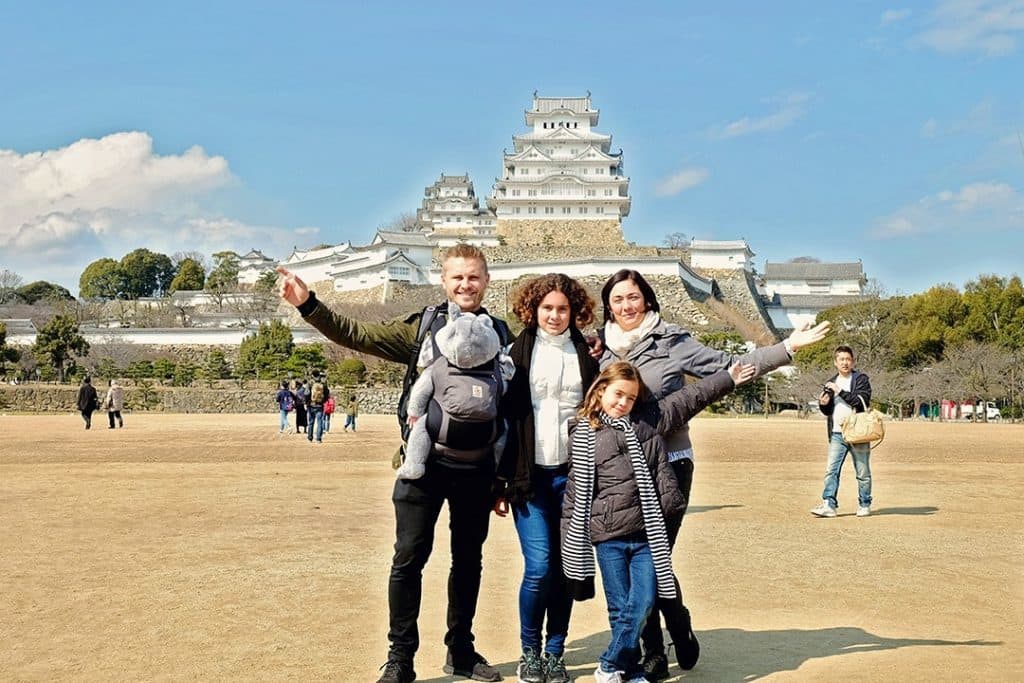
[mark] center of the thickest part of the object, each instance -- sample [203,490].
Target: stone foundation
[556,233]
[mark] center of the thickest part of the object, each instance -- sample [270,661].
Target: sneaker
[824,510]
[555,668]
[864,511]
[602,676]
[472,665]
[639,678]
[655,666]
[531,668]
[684,640]
[397,672]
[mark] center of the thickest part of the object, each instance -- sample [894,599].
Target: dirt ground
[207,547]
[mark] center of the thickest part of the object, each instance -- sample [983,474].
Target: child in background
[328,411]
[351,412]
[622,497]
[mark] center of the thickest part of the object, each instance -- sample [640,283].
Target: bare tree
[976,372]
[196,256]
[677,240]
[9,282]
[403,222]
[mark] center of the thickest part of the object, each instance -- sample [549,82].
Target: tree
[348,372]
[995,311]
[190,276]
[403,222]
[804,259]
[214,367]
[9,283]
[264,353]
[744,398]
[58,342]
[677,240]
[867,326]
[102,279]
[8,354]
[197,256]
[305,359]
[223,278]
[146,273]
[928,323]
[40,290]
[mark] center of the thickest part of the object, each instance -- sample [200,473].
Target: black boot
[684,640]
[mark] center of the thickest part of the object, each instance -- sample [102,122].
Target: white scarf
[577,550]
[621,342]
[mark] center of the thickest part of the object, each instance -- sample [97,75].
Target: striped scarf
[577,550]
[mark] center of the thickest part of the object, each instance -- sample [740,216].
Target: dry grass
[208,548]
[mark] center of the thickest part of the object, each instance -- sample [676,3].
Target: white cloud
[988,27]
[680,181]
[892,16]
[62,208]
[788,110]
[976,208]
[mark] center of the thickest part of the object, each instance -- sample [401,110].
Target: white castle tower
[561,171]
[450,206]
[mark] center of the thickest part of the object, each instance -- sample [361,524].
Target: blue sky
[887,132]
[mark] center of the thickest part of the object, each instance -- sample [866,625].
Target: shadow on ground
[924,510]
[695,509]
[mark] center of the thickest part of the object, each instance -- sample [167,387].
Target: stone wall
[739,294]
[49,398]
[553,233]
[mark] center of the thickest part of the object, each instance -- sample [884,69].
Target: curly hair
[530,294]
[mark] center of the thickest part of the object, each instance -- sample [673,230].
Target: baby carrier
[462,418]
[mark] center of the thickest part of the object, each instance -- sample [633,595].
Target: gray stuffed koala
[467,384]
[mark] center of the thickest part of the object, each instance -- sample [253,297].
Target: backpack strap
[428,317]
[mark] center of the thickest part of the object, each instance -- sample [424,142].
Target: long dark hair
[628,274]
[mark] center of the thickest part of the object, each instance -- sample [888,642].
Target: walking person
[465,485]
[664,354]
[87,401]
[553,370]
[351,413]
[301,403]
[622,497]
[845,393]
[318,393]
[328,411]
[285,404]
[114,403]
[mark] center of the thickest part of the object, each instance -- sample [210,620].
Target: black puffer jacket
[615,511]
[860,388]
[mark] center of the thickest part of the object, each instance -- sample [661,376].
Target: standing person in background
[664,354]
[553,370]
[87,401]
[318,393]
[466,486]
[328,411]
[285,403]
[846,393]
[301,400]
[114,403]
[351,412]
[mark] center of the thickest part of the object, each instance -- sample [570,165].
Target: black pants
[87,416]
[111,414]
[677,617]
[417,507]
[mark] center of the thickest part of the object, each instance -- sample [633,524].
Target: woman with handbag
[848,392]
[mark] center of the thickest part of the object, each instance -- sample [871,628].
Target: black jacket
[860,387]
[87,398]
[516,465]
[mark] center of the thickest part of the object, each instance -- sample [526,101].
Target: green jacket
[391,340]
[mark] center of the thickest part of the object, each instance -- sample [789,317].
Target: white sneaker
[864,511]
[639,678]
[602,676]
[824,510]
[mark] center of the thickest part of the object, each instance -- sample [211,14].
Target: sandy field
[208,547]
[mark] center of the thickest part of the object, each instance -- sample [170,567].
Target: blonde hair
[619,370]
[464,251]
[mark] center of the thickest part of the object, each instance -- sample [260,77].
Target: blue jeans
[284,421]
[316,418]
[327,422]
[837,450]
[543,590]
[630,587]
[350,421]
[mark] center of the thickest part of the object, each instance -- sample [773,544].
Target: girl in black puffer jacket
[622,497]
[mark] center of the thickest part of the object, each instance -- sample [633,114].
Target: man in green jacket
[465,486]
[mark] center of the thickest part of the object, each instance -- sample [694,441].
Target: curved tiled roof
[813,271]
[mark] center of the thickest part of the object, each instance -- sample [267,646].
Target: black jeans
[677,617]
[417,507]
[115,414]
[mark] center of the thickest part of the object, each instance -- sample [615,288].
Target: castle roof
[720,245]
[407,239]
[814,301]
[814,271]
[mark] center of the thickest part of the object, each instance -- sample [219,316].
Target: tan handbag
[864,427]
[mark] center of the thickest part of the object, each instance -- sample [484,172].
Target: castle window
[531,193]
[566,209]
[532,209]
[583,209]
[549,209]
[515,209]
[599,209]
[590,193]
